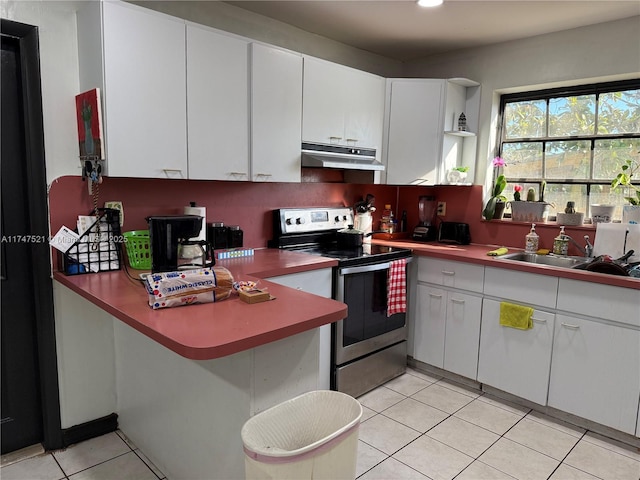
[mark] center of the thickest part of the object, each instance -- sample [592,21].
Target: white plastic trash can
[314,435]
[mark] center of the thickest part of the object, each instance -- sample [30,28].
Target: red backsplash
[250,204]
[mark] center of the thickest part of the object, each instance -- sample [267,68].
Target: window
[574,138]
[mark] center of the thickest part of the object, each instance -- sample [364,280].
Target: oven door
[367,328]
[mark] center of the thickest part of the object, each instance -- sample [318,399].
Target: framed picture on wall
[89,120]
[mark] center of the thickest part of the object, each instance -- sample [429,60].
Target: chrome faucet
[587,249]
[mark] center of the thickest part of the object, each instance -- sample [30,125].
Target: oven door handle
[367,268]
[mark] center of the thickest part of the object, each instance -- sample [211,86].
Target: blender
[426,230]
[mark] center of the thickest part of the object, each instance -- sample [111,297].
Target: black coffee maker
[167,235]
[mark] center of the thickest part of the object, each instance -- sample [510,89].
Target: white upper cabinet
[276,114]
[413,133]
[217,105]
[137,57]
[342,105]
[422,140]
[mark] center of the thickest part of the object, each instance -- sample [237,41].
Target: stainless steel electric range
[367,348]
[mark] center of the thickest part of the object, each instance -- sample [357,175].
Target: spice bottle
[388,222]
[532,240]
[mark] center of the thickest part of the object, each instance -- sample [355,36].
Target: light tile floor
[422,427]
[414,427]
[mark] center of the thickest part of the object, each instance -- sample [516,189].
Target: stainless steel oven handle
[367,268]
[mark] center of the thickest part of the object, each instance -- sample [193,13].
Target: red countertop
[214,330]
[478,254]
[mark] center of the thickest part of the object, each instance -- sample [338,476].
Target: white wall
[607,51]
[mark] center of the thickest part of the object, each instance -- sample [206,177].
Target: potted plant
[496,203]
[631,212]
[457,175]
[529,210]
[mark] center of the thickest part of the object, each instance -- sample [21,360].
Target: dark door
[24,189]
[21,409]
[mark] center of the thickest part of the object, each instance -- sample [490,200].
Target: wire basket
[138,249]
[97,249]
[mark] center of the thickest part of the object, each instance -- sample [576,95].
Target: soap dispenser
[531,240]
[561,243]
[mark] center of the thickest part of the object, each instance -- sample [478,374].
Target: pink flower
[517,188]
[498,162]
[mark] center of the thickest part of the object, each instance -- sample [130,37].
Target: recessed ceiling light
[429,3]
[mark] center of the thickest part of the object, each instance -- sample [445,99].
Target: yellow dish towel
[516,316]
[498,252]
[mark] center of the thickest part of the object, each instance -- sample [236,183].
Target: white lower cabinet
[595,372]
[319,283]
[513,360]
[447,328]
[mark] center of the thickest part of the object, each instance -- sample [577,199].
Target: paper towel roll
[202,212]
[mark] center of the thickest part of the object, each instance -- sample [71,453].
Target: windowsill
[549,224]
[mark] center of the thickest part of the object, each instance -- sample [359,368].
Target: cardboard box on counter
[254,296]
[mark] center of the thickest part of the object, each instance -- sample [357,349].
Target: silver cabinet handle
[435,295]
[168,171]
[539,320]
[445,272]
[335,138]
[457,300]
[238,174]
[568,325]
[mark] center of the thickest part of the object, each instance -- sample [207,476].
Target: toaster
[454,232]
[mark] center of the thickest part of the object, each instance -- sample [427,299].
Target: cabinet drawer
[521,287]
[516,361]
[600,301]
[464,276]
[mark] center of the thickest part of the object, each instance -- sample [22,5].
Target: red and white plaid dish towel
[397,287]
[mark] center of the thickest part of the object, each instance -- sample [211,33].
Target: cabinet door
[217,105]
[145,93]
[516,361]
[429,328]
[462,334]
[276,114]
[324,98]
[364,113]
[414,131]
[342,105]
[317,282]
[595,372]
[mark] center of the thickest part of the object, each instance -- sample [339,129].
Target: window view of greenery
[575,139]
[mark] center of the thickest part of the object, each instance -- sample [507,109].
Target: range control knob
[300,220]
[344,218]
[289,221]
[337,219]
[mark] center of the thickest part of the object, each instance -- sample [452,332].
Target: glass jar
[235,236]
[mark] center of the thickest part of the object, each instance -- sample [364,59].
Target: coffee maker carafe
[171,247]
[426,230]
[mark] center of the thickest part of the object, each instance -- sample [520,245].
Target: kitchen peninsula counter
[477,254]
[184,380]
[214,330]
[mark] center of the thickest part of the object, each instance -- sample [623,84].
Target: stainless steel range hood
[336,156]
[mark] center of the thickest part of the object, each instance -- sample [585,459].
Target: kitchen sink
[552,260]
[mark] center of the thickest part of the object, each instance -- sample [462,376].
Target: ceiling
[401,30]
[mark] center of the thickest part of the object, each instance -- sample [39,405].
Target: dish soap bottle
[531,240]
[561,243]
